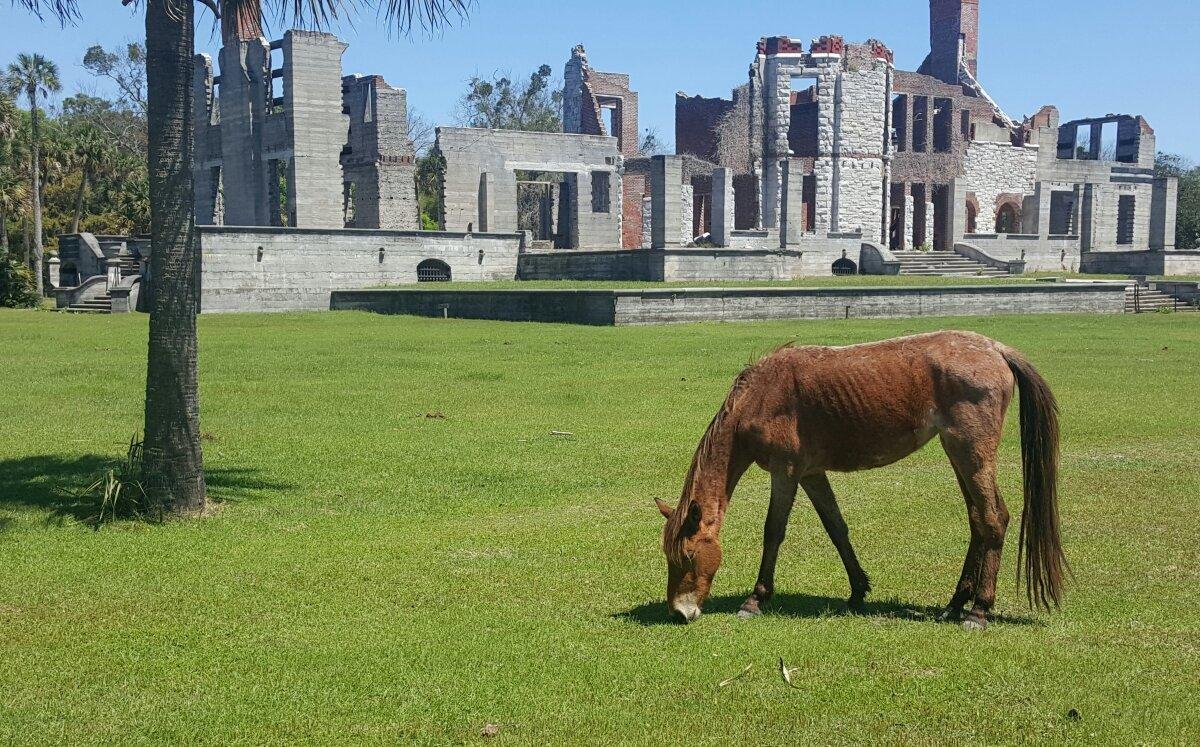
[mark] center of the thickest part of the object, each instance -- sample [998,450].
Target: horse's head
[693,558]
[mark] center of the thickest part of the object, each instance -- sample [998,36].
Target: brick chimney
[953,36]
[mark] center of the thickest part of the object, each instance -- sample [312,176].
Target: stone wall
[282,269]
[993,170]
[378,159]
[690,264]
[1142,263]
[675,305]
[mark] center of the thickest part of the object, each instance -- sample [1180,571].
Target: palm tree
[32,74]
[173,468]
[92,155]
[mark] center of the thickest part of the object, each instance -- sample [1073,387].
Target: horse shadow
[56,485]
[809,606]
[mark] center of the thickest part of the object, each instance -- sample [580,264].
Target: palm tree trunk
[173,462]
[4,247]
[35,163]
[83,178]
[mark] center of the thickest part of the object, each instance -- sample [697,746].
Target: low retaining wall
[667,306]
[657,265]
[287,269]
[810,257]
[1142,263]
[1040,254]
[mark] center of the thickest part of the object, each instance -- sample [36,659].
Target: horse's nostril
[679,617]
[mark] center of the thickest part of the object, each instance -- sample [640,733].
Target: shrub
[18,289]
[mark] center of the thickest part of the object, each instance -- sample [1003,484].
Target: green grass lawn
[405,552]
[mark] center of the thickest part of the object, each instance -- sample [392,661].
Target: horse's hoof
[974,622]
[856,605]
[749,610]
[950,614]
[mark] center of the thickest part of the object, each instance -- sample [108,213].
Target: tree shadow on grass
[807,606]
[56,485]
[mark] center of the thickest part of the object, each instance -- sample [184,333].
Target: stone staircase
[947,264]
[99,305]
[130,265]
[1141,299]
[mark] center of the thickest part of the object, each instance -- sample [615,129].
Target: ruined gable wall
[862,113]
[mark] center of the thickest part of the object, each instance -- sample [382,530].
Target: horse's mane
[673,536]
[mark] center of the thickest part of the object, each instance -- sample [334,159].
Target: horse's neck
[717,473]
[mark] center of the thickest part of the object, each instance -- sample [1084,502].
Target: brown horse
[803,411]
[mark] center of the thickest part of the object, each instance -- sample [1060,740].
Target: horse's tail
[1040,542]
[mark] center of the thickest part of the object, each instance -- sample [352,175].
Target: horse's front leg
[783,495]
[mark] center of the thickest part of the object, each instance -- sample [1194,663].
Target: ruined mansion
[826,158]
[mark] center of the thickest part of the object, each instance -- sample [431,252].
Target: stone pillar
[957,220]
[722,206]
[791,216]
[1038,221]
[113,266]
[54,269]
[312,70]
[1163,211]
[245,81]
[666,189]
[486,196]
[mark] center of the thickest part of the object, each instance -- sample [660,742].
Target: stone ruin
[826,158]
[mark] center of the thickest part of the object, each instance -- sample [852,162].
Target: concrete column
[312,71]
[1039,221]
[792,218]
[113,267]
[245,80]
[486,197]
[54,267]
[666,189]
[1163,210]
[957,220]
[722,206]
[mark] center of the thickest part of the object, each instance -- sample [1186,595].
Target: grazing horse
[801,412]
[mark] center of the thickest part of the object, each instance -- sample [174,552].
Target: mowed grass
[405,553]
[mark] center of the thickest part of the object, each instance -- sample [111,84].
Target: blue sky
[1088,57]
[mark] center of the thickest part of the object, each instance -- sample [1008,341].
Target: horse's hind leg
[783,496]
[974,462]
[821,494]
[965,590]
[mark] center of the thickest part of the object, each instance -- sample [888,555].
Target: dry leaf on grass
[736,677]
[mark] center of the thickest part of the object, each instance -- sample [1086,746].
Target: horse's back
[863,406]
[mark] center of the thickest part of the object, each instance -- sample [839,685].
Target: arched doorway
[433,271]
[1007,218]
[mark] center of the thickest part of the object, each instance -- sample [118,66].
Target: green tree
[33,74]
[173,468]
[501,104]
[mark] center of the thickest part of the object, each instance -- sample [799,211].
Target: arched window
[433,271]
[845,266]
[1006,218]
[972,216]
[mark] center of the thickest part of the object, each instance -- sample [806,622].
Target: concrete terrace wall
[669,306]
[1053,254]
[1142,263]
[298,268]
[663,265]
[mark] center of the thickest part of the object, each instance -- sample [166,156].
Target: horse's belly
[863,449]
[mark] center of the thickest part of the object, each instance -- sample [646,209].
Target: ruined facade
[282,139]
[486,170]
[839,141]
[597,103]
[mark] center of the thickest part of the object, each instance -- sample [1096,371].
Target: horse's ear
[663,508]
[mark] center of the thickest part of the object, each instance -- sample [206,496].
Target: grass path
[405,553]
